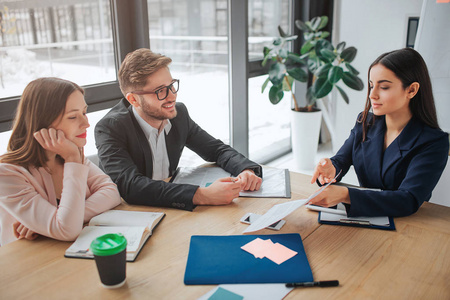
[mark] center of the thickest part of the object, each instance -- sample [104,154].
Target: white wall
[433,42]
[373,27]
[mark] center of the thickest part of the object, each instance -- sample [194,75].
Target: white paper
[89,233]
[338,211]
[276,213]
[253,291]
[273,184]
[126,218]
[279,211]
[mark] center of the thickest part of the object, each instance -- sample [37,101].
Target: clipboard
[344,221]
[276,182]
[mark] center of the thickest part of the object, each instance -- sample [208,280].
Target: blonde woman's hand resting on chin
[249,181]
[220,192]
[55,141]
[324,172]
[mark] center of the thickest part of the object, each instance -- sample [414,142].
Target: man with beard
[140,141]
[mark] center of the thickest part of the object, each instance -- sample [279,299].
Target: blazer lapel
[143,144]
[172,145]
[402,144]
[372,150]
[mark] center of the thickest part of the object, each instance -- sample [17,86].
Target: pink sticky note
[279,253]
[257,247]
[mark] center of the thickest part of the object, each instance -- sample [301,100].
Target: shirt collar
[147,128]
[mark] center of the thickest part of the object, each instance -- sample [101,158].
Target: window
[68,39]
[269,125]
[194,34]
[46,38]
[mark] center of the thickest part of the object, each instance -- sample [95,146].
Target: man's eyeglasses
[162,92]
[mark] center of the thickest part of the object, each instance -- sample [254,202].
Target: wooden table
[412,262]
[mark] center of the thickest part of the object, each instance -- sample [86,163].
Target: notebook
[136,226]
[221,260]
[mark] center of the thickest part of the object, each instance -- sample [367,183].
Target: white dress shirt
[157,141]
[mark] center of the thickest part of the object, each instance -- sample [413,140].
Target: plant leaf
[302,26]
[343,94]
[352,81]
[310,99]
[264,85]
[298,74]
[351,69]
[325,34]
[283,53]
[315,22]
[277,72]
[323,22]
[321,88]
[335,74]
[267,56]
[322,72]
[348,54]
[281,31]
[313,64]
[277,42]
[327,55]
[340,47]
[296,58]
[307,47]
[276,94]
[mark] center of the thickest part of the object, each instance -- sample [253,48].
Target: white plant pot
[305,128]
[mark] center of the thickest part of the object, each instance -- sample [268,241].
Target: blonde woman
[47,186]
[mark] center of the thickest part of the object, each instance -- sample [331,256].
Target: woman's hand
[331,196]
[324,171]
[55,141]
[21,232]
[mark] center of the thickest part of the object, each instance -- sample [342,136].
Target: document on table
[248,291]
[275,184]
[279,211]
[377,221]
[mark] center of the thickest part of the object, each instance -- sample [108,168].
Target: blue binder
[220,260]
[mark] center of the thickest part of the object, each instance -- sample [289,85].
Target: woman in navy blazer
[396,148]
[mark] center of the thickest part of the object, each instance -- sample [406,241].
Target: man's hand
[249,181]
[21,232]
[220,192]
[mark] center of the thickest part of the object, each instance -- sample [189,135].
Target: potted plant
[327,65]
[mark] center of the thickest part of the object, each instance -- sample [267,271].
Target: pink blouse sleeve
[24,197]
[103,192]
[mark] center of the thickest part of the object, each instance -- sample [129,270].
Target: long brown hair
[409,66]
[42,102]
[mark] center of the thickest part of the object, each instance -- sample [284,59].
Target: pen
[326,283]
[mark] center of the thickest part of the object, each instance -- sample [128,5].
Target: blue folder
[220,260]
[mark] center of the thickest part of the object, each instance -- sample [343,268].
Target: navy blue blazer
[406,172]
[125,155]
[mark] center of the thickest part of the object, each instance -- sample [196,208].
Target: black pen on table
[326,283]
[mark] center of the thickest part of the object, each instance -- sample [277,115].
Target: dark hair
[409,66]
[42,102]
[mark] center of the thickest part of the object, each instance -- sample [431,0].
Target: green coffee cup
[110,257]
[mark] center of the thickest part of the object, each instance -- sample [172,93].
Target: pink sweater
[29,197]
